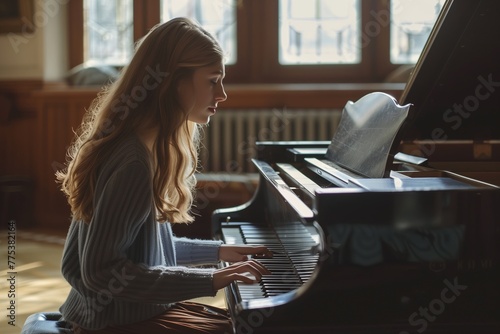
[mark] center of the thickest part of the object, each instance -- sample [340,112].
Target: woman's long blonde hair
[144,95]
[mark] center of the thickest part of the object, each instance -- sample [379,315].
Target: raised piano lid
[455,86]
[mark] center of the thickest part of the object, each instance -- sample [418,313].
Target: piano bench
[45,323]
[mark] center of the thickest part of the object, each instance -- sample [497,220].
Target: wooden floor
[38,283]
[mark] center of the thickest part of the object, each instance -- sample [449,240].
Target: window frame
[146,15]
[257,59]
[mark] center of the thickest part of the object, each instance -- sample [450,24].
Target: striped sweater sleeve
[196,251]
[120,210]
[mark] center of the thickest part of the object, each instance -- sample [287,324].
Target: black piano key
[279,285]
[293,261]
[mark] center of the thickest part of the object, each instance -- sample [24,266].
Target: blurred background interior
[291,67]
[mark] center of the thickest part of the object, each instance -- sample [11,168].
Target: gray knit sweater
[124,266]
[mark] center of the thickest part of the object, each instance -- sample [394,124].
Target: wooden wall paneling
[17,159]
[58,116]
[19,93]
[17,146]
[17,171]
[309,96]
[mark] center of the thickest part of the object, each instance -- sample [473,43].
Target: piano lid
[455,87]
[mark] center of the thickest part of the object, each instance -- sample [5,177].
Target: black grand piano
[394,225]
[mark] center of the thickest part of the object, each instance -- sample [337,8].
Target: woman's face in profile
[200,94]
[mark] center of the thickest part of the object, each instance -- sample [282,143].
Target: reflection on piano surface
[369,241]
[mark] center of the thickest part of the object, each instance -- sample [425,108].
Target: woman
[130,175]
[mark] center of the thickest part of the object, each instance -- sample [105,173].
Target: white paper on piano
[367,134]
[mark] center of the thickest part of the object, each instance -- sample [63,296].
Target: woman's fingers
[235,253]
[261,251]
[257,267]
[248,272]
[257,250]
[245,278]
[253,267]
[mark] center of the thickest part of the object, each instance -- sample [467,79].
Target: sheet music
[366,134]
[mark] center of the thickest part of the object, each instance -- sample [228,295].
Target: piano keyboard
[293,262]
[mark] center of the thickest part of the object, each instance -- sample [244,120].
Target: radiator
[228,142]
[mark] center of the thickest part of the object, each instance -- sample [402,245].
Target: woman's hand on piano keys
[249,271]
[232,253]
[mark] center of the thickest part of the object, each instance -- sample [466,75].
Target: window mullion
[75,35]
[244,68]
[146,15]
[265,40]
[379,18]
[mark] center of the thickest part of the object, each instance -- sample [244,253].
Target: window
[269,40]
[108,31]
[218,17]
[319,32]
[411,24]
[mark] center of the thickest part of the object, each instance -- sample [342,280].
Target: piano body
[369,241]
